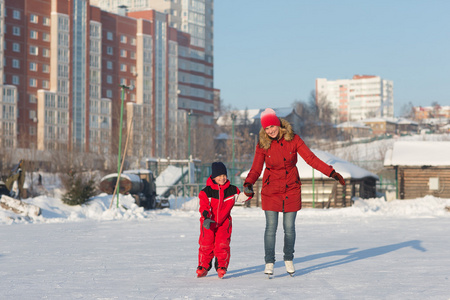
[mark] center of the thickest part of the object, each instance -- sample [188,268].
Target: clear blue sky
[269,53]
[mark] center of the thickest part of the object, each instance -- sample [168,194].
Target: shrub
[80,188]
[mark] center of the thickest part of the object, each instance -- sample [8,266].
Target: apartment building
[68,65]
[196,56]
[363,96]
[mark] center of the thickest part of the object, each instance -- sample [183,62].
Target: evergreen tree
[80,188]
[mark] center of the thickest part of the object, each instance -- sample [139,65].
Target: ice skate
[269,269]
[289,267]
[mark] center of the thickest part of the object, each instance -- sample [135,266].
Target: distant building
[363,96]
[406,126]
[353,130]
[381,126]
[65,63]
[432,118]
[422,168]
[435,112]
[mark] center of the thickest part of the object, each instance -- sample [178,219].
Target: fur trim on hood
[286,131]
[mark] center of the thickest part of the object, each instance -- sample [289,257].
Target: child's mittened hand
[207,223]
[242,198]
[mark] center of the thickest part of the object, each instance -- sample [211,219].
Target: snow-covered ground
[372,250]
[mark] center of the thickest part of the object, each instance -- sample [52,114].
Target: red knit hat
[268,117]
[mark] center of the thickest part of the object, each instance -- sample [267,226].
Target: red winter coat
[281,189]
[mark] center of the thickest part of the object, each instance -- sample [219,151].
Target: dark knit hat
[218,168]
[268,117]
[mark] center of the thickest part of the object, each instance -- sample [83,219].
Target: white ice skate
[289,267]
[269,269]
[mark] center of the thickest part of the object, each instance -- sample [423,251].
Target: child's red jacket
[217,200]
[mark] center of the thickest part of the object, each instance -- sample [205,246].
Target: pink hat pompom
[268,118]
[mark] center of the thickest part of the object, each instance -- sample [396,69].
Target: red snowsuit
[217,200]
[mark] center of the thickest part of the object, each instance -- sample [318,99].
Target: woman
[277,149]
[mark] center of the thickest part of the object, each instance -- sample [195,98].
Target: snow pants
[215,242]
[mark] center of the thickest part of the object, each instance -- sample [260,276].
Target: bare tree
[317,115]
[407,111]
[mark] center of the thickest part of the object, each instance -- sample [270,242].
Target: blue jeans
[270,235]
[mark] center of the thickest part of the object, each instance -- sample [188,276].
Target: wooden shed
[421,167]
[320,191]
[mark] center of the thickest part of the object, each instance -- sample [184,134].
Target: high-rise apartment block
[67,65]
[358,98]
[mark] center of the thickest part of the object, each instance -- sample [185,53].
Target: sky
[269,53]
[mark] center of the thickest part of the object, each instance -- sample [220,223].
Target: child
[216,201]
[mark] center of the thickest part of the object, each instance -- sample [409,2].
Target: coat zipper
[218,210]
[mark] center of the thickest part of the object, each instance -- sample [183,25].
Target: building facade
[358,98]
[195,75]
[72,71]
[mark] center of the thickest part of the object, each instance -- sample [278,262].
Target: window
[16,47]
[33,66]
[123,67]
[46,37]
[46,21]
[109,93]
[46,68]
[109,36]
[16,14]
[133,41]
[16,64]
[32,114]
[32,98]
[123,39]
[15,79]
[109,50]
[123,53]
[33,82]
[16,31]
[45,52]
[33,18]
[109,79]
[33,34]
[109,65]
[45,84]
[34,50]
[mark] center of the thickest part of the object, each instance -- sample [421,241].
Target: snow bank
[53,210]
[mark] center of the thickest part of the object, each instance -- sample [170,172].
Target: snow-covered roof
[225,136]
[418,153]
[241,117]
[352,125]
[345,168]
[281,112]
[252,116]
[370,120]
[406,121]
